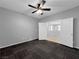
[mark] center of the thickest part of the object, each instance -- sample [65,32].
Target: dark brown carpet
[39,49]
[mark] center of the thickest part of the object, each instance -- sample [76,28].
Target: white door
[42,31]
[67,32]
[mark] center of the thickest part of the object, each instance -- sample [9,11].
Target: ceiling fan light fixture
[39,12]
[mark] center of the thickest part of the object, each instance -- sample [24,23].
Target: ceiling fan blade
[38,6]
[34,11]
[43,2]
[32,6]
[46,9]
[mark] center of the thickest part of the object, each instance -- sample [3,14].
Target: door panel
[42,31]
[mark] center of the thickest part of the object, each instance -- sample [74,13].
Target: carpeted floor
[39,49]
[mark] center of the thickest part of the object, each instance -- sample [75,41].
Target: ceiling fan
[39,7]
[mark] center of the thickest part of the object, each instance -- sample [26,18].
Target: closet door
[42,31]
[67,32]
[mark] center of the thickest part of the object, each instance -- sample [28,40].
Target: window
[54,27]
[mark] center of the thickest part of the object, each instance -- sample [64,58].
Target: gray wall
[67,14]
[16,28]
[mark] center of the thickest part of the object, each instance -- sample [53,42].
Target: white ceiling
[21,6]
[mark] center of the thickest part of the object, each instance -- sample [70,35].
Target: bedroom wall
[74,12]
[16,28]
